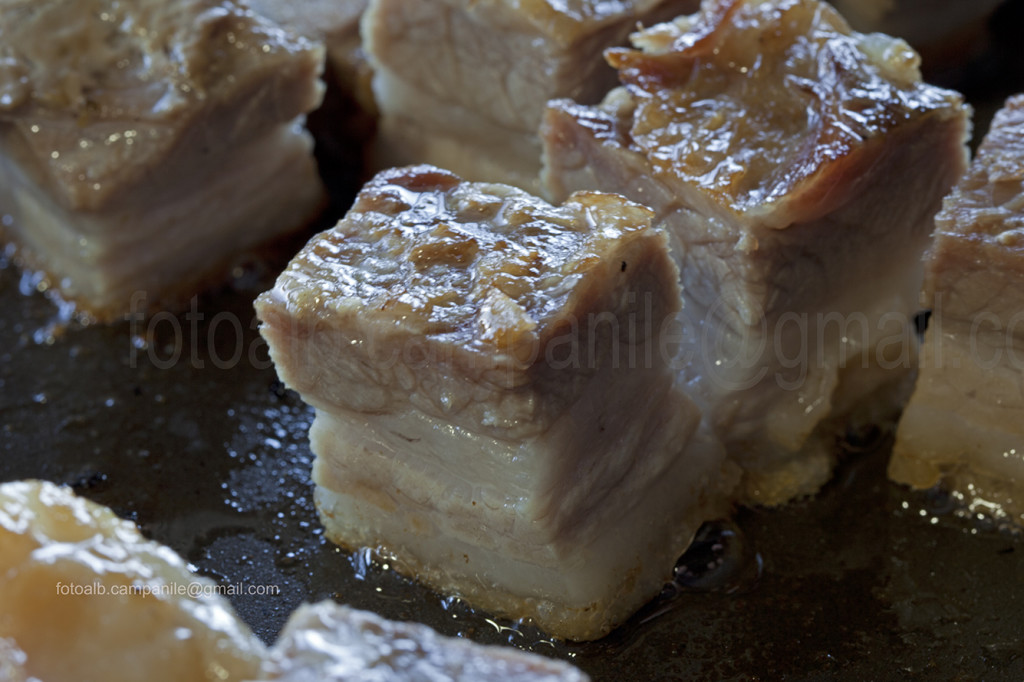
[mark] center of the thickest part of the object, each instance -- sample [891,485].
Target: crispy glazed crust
[770,108]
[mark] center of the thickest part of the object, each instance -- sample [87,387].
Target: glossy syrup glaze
[482,263]
[752,102]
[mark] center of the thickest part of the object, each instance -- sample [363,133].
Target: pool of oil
[179,423]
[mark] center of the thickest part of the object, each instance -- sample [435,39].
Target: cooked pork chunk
[85,598]
[336,24]
[145,142]
[326,642]
[494,406]
[796,166]
[964,425]
[463,84]
[333,22]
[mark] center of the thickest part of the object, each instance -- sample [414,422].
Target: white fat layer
[561,519]
[479,94]
[967,408]
[781,378]
[784,329]
[485,64]
[181,227]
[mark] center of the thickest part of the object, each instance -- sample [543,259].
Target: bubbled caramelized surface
[749,101]
[432,254]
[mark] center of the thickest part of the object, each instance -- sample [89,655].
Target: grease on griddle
[720,559]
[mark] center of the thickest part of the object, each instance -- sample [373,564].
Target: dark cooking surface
[866,579]
[180,425]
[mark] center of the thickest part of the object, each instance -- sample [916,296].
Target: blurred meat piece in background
[144,144]
[85,598]
[964,425]
[462,85]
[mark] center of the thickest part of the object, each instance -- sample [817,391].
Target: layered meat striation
[495,408]
[85,598]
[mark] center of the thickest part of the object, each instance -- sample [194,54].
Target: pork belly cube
[463,84]
[144,143]
[85,598]
[796,166]
[495,409]
[328,642]
[964,424]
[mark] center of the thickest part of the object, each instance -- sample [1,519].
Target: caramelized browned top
[750,100]
[422,252]
[98,86]
[988,204]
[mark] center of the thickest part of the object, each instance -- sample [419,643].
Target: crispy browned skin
[97,103]
[479,277]
[700,88]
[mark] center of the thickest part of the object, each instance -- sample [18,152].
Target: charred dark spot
[623,269]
